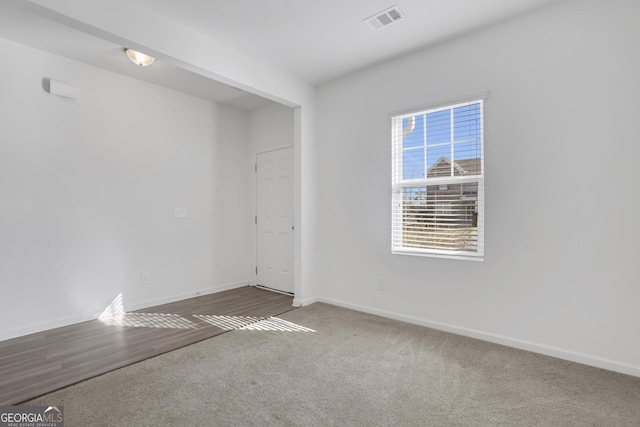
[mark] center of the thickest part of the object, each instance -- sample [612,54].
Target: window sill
[431,254]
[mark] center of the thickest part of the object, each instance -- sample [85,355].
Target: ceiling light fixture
[139,58]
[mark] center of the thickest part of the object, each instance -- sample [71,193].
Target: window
[438,181]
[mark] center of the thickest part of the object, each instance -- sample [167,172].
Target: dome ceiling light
[139,58]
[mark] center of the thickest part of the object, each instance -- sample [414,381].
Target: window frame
[399,184]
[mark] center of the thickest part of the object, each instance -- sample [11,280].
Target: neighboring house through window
[438,181]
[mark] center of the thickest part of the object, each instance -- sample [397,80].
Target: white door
[274,176]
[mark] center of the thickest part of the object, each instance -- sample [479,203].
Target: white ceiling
[319,40]
[27,28]
[314,40]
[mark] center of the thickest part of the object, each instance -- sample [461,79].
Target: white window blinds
[438,181]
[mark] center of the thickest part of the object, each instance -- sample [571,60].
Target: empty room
[312,213]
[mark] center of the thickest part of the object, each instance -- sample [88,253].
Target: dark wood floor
[40,363]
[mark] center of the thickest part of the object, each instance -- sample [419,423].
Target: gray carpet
[354,370]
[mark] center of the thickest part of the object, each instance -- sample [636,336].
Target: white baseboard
[585,359]
[41,327]
[183,296]
[44,326]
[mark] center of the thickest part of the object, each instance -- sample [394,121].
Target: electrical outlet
[180,213]
[145,278]
[381,283]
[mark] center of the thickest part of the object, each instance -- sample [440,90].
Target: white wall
[89,186]
[270,128]
[561,269]
[217,60]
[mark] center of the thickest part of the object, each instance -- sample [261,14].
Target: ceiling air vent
[386,17]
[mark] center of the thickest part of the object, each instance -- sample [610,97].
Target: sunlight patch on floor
[149,320]
[228,323]
[275,324]
[246,323]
